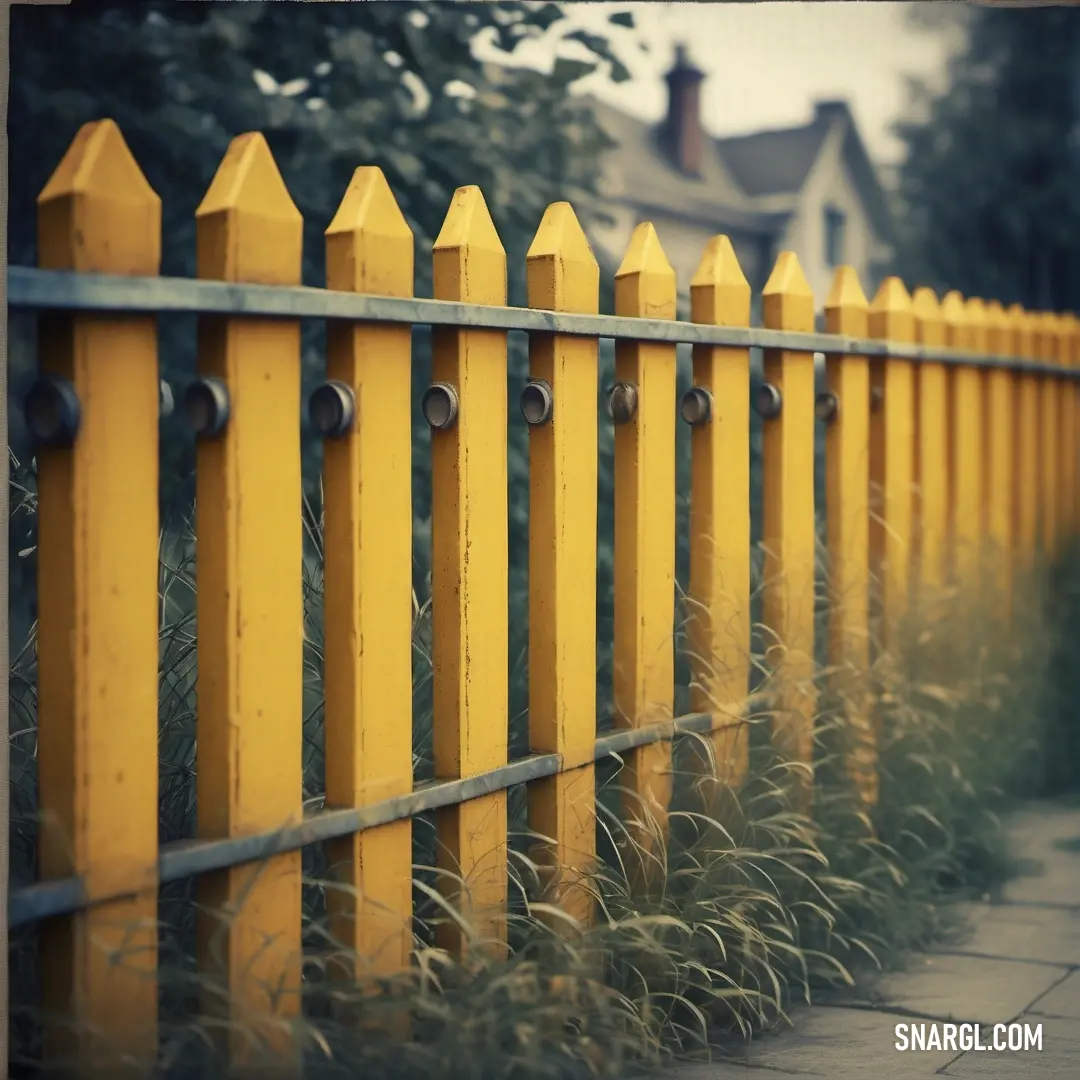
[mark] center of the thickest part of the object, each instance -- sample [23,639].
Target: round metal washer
[206,406]
[537,402]
[52,411]
[440,405]
[332,409]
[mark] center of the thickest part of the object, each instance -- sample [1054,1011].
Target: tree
[989,192]
[332,86]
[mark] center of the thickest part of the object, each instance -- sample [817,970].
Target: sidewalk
[1021,963]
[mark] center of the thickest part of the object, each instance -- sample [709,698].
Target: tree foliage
[332,86]
[990,188]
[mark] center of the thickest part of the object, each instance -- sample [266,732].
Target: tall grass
[756,904]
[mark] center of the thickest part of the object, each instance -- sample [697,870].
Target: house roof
[715,195]
[773,162]
[737,171]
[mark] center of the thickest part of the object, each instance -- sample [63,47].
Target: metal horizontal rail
[53,289]
[188,858]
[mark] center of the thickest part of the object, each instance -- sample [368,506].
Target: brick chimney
[683,136]
[829,112]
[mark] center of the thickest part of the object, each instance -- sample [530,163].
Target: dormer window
[834,235]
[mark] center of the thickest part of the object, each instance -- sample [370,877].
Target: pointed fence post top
[891,315]
[719,292]
[645,285]
[846,291]
[847,310]
[469,257]
[1060,330]
[1042,327]
[998,329]
[955,315]
[247,226]
[975,309]
[929,321]
[98,213]
[1019,330]
[925,305]
[1073,354]
[561,271]
[369,245]
[787,300]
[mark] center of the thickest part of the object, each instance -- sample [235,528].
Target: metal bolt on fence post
[206,407]
[440,406]
[622,402]
[52,411]
[768,401]
[696,406]
[332,409]
[537,402]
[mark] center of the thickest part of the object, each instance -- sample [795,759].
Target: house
[810,189]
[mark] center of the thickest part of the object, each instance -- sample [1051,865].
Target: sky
[765,63]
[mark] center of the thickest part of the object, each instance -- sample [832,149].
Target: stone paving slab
[1048,838]
[842,1044]
[1016,961]
[1045,935]
[1062,1000]
[1059,1058]
[961,988]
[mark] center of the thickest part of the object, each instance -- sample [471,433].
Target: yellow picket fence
[947,423]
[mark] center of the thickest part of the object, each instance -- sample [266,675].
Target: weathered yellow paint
[644,655]
[847,510]
[932,449]
[965,458]
[469,597]
[788,532]
[1046,351]
[1066,432]
[977,338]
[563,275]
[719,597]
[98,617]
[249,604]
[1071,429]
[367,506]
[1026,459]
[1000,452]
[892,461]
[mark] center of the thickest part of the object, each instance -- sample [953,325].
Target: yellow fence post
[1066,434]
[469,568]
[719,594]
[1046,352]
[563,275]
[847,484]
[249,603]
[933,448]
[966,449]
[976,338]
[98,617]
[788,525]
[892,466]
[1000,452]
[643,407]
[367,486]
[1026,460]
[1072,432]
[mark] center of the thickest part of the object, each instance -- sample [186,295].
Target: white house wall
[830,184]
